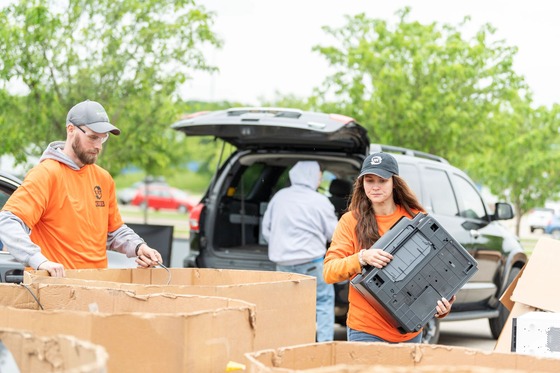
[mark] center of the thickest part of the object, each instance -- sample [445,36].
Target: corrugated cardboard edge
[54,353]
[321,357]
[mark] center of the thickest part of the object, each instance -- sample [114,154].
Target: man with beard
[65,214]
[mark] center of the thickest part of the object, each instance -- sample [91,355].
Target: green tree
[522,163]
[131,56]
[431,88]
[421,86]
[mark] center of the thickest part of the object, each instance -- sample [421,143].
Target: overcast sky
[267,43]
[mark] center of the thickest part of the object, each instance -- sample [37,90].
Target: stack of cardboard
[285,302]
[141,333]
[535,288]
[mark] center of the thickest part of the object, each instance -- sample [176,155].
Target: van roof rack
[410,152]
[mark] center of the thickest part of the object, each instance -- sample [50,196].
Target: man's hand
[148,257]
[54,269]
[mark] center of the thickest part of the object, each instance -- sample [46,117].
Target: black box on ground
[427,264]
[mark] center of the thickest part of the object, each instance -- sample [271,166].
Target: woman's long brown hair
[362,209]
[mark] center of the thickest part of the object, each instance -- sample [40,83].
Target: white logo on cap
[376,160]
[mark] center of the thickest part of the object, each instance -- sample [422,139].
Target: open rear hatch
[280,129]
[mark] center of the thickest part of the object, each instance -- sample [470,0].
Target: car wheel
[556,234]
[532,229]
[430,332]
[182,209]
[497,323]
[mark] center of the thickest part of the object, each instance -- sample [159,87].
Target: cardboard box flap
[57,353]
[92,299]
[176,276]
[505,299]
[540,276]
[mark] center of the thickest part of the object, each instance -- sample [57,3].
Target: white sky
[267,43]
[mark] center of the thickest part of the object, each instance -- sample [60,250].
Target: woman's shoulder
[348,218]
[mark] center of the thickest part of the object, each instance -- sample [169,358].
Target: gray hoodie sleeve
[15,237]
[124,240]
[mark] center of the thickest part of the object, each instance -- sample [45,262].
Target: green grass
[528,244]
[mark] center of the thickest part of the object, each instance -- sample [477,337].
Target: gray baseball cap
[380,164]
[92,115]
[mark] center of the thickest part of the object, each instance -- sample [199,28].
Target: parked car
[539,217]
[126,195]
[10,269]
[225,226]
[164,197]
[553,227]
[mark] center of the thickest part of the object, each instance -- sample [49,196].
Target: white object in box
[537,333]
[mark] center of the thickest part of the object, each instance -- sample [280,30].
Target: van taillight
[194,217]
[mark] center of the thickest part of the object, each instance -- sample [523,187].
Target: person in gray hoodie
[297,224]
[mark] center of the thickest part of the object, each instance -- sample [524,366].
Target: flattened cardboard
[165,332]
[384,357]
[285,302]
[59,353]
[541,274]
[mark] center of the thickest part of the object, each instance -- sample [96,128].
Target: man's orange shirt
[341,263]
[69,212]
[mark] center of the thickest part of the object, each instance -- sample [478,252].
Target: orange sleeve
[341,261]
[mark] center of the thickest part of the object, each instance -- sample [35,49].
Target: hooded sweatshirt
[299,221]
[65,214]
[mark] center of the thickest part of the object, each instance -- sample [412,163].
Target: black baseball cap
[92,115]
[380,164]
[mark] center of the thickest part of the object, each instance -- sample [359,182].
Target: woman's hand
[444,306]
[376,257]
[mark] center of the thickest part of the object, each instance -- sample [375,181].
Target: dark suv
[225,226]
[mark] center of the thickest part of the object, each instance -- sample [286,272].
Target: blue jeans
[358,336]
[325,297]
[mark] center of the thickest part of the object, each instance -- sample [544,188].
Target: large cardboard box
[141,333]
[361,357]
[534,288]
[25,352]
[285,302]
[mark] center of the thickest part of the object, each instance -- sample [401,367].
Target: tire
[497,323]
[430,332]
[532,229]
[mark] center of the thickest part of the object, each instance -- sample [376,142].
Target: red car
[164,197]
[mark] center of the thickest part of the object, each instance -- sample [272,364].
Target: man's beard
[83,156]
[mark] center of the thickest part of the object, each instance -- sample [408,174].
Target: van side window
[440,192]
[469,199]
[248,181]
[410,174]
